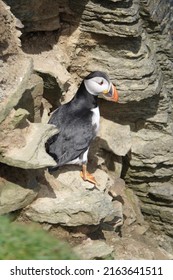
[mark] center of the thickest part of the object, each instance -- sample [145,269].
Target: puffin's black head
[97,83]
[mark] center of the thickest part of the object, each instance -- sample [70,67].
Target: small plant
[23,242]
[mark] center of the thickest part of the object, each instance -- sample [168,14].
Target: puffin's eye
[101,83]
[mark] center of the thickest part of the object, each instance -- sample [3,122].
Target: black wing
[74,137]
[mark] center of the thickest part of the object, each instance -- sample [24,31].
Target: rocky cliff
[60,42]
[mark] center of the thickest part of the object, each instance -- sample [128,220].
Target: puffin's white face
[97,85]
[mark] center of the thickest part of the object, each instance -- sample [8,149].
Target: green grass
[23,242]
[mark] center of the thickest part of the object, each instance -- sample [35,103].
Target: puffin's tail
[53,168]
[53,155]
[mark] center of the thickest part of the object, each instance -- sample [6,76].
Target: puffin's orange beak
[112,94]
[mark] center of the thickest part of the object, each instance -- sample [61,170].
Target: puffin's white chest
[96,118]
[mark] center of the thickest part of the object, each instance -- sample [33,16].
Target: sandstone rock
[93,249]
[54,68]
[160,15]
[59,85]
[151,163]
[129,203]
[18,118]
[136,249]
[72,206]
[21,145]
[165,243]
[116,138]
[147,80]
[152,150]
[14,85]
[163,193]
[43,16]
[108,17]
[160,217]
[70,176]
[31,154]
[9,38]
[32,97]
[18,189]
[105,159]
[125,204]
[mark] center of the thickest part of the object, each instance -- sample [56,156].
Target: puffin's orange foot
[88,177]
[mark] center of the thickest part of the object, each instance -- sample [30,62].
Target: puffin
[78,123]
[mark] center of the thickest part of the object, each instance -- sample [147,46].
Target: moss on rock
[28,242]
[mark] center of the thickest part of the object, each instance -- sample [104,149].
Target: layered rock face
[21,142]
[132,40]
[63,41]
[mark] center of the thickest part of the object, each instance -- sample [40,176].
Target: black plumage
[74,121]
[78,123]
